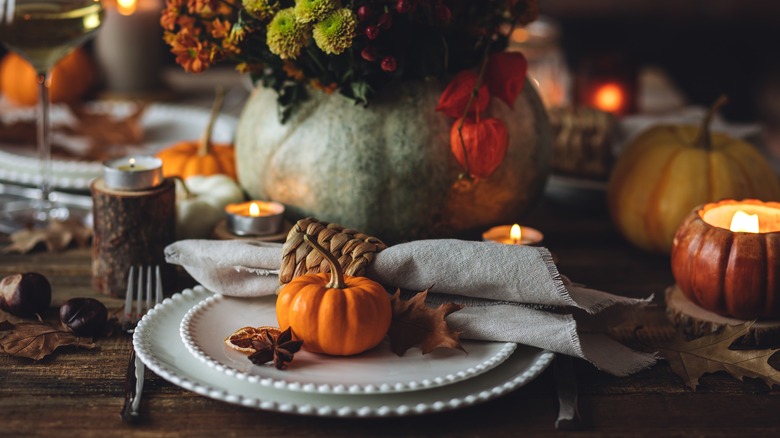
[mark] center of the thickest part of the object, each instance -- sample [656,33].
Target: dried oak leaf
[415,324]
[711,353]
[36,341]
[106,129]
[56,237]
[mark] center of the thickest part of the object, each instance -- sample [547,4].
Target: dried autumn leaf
[6,325]
[711,353]
[104,128]
[56,237]
[36,340]
[415,324]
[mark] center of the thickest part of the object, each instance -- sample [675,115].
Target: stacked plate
[182,340]
[163,125]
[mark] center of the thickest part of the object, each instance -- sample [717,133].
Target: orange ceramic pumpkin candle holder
[731,273]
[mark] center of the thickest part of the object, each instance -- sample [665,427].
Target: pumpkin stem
[704,139]
[336,273]
[204,145]
[187,193]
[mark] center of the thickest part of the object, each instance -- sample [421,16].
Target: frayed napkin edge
[257,271]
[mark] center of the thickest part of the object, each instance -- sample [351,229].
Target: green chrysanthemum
[287,36]
[261,9]
[335,33]
[314,10]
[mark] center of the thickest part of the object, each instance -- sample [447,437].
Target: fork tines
[149,293]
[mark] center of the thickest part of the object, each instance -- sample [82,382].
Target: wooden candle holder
[695,322]
[132,228]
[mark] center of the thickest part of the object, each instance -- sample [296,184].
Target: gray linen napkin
[512,293]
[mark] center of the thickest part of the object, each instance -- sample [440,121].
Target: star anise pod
[280,349]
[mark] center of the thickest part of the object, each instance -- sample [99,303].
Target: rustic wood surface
[695,321]
[80,392]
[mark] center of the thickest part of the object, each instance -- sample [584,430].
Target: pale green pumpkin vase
[387,169]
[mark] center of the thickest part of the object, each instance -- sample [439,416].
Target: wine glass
[43,32]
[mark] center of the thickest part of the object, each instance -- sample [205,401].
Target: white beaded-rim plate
[377,371]
[163,125]
[159,346]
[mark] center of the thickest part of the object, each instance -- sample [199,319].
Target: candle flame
[609,97]
[520,35]
[132,162]
[126,7]
[516,234]
[742,222]
[254,210]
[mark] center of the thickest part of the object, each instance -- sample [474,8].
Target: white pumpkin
[200,205]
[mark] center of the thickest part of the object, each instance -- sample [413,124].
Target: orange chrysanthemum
[168,18]
[293,72]
[220,28]
[191,53]
[189,23]
[201,7]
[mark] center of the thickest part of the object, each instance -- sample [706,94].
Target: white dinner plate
[160,347]
[163,125]
[205,327]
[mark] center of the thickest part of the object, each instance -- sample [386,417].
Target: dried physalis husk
[241,339]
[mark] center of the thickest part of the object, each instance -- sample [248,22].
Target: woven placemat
[353,249]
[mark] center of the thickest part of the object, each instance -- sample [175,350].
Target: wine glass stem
[44,136]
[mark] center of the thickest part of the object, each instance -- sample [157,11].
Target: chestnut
[84,316]
[25,294]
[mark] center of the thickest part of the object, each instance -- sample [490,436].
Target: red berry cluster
[376,19]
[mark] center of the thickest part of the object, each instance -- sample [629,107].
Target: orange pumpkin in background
[200,157]
[71,78]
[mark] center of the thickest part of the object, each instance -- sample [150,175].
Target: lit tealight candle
[742,222]
[609,97]
[724,258]
[254,218]
[133,173]
[513,235]
[746,216]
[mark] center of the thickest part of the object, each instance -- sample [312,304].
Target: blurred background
[703,47]
[706,47]
[637,58]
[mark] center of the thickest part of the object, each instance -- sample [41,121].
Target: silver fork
[568,414]
[144,293]
[7,11]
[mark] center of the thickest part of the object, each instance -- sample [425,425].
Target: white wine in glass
[43,32]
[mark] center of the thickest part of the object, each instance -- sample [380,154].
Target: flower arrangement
[354,47]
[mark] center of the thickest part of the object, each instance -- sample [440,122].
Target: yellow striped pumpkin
[668,170]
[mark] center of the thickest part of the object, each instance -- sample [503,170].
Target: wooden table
[80,392]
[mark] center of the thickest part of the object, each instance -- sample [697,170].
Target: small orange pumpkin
[71,78]
[334,314]
[730,273]
[189,158]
